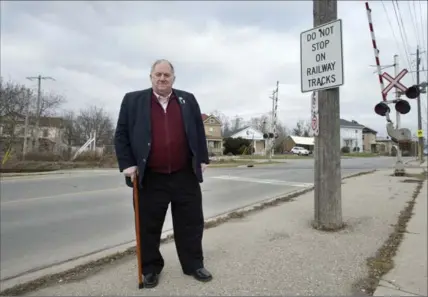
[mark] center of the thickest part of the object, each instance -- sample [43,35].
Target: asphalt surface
[53,218]
[276,252]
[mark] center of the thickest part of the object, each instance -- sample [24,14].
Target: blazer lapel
[185,112]
[146,110]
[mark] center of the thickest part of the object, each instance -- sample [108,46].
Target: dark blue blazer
[133,131]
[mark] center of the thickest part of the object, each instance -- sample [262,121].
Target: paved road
[53,218]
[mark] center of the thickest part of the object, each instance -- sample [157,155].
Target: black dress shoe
[151,280]
[201,275]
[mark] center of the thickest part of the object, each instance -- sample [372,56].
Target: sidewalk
[409,275]
[277,252]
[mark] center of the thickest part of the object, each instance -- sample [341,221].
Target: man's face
[162,78]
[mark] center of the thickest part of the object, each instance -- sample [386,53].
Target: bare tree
[260,122]
[225,122]
[14,101]
[90,119]
[236,124]
[71,134]
[302,129]
[282,132]
[14,98]
[49,106]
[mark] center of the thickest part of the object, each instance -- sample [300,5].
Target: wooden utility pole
[328,196]
[38,106]
[420,138]
[274,120]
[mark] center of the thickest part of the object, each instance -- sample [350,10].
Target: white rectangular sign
[321,57]
[314,114]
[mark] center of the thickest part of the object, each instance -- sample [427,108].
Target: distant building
[351,135]
[256,138]
[305,142]
[369,140]
[213,134]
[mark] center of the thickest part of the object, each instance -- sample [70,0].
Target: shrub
[346,150]
[89,156]
[45,157]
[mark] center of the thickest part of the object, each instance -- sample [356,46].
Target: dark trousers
[183,191]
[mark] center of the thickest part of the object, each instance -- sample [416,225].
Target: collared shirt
[163,100]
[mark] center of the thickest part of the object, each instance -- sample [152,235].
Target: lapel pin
[181,100]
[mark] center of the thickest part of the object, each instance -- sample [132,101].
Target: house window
[8,129]
[212,121]
[211,129]
[45,133]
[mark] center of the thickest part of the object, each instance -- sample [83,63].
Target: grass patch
[359,155]
[222,163]
[383,262]
[278,157]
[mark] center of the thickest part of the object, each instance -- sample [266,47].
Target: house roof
[235,134]
[43,122]
[242,129]
[368,130]
[351,124]
[204,116]
[302,140]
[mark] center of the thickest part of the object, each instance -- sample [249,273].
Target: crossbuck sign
[394,82]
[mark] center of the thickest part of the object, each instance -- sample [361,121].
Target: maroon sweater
[169,148]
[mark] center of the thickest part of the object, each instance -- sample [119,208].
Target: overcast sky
[229,54]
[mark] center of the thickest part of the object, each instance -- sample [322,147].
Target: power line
[414,22]
[422,26]
[403,33]
[390,25]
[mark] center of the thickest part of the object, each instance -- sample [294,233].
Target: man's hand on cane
[131,172]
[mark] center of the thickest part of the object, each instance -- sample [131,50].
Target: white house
[351,135]
[255,136]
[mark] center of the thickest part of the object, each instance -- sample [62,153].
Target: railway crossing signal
[401,106]
[394,82]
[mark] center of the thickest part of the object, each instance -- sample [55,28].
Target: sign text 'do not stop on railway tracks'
[321,57]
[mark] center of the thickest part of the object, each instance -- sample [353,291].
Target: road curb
[127,250]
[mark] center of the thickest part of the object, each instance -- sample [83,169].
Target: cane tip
[140,285]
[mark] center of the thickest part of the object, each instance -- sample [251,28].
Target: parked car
[297,150]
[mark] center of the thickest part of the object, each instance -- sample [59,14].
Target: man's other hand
[203,166]
[131,172]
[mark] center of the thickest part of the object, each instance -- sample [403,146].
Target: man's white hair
[157,62]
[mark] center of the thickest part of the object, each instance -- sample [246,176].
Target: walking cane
[137,232]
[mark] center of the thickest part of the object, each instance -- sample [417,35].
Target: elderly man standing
[160,139]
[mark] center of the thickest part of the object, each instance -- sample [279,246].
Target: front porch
[215,147]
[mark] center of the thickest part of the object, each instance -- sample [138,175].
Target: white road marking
[45,177]
[82,193]
[263,181]
[124,188]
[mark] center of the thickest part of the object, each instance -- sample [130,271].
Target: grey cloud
[81,40]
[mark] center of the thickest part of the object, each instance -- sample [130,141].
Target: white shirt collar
[162,97]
